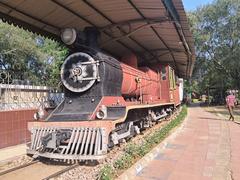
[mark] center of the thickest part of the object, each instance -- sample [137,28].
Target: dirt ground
[223,111]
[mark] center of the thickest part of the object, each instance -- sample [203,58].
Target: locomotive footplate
[80,143]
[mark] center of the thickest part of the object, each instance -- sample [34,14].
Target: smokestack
[92,34]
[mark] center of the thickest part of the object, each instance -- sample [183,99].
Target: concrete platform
[12,152]
[207,147]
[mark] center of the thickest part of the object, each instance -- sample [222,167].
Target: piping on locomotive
[106,101]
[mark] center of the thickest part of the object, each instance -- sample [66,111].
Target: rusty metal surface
[144,27]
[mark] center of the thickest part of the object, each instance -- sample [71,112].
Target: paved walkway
[207,147]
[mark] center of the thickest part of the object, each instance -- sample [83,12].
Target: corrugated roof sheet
[145,27]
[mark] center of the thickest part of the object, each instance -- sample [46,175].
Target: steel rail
[56,174]
[18,167]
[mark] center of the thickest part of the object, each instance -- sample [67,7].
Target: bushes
[135,151]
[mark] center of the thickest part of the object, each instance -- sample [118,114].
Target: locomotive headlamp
[102,112]
[69,36]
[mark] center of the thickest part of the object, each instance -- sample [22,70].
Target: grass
[133,151]
[107,172]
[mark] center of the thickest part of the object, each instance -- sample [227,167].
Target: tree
[216,33]
[27,56]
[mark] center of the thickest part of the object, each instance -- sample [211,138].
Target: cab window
[164,73]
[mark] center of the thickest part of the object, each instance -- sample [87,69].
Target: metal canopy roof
[155,30]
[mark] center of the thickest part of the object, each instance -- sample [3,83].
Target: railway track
[17,168]
[36,170]
[56,174]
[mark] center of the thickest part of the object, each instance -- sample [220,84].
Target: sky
[190,5]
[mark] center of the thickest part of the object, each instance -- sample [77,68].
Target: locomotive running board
[84,144]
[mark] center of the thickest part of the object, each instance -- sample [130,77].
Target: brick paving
[207,147]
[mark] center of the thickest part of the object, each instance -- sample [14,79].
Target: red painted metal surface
[130,60]
[13,127]
[109,101]
[140,82]
[165,85]
[147,83]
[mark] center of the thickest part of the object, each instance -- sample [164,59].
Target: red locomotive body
[151,86]
[112,101]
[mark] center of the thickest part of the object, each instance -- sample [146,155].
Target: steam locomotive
[106,101]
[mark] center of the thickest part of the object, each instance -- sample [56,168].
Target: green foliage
[27,56]
[216,33]
[106,173]
[124,162]
[191,86]
[135,151]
